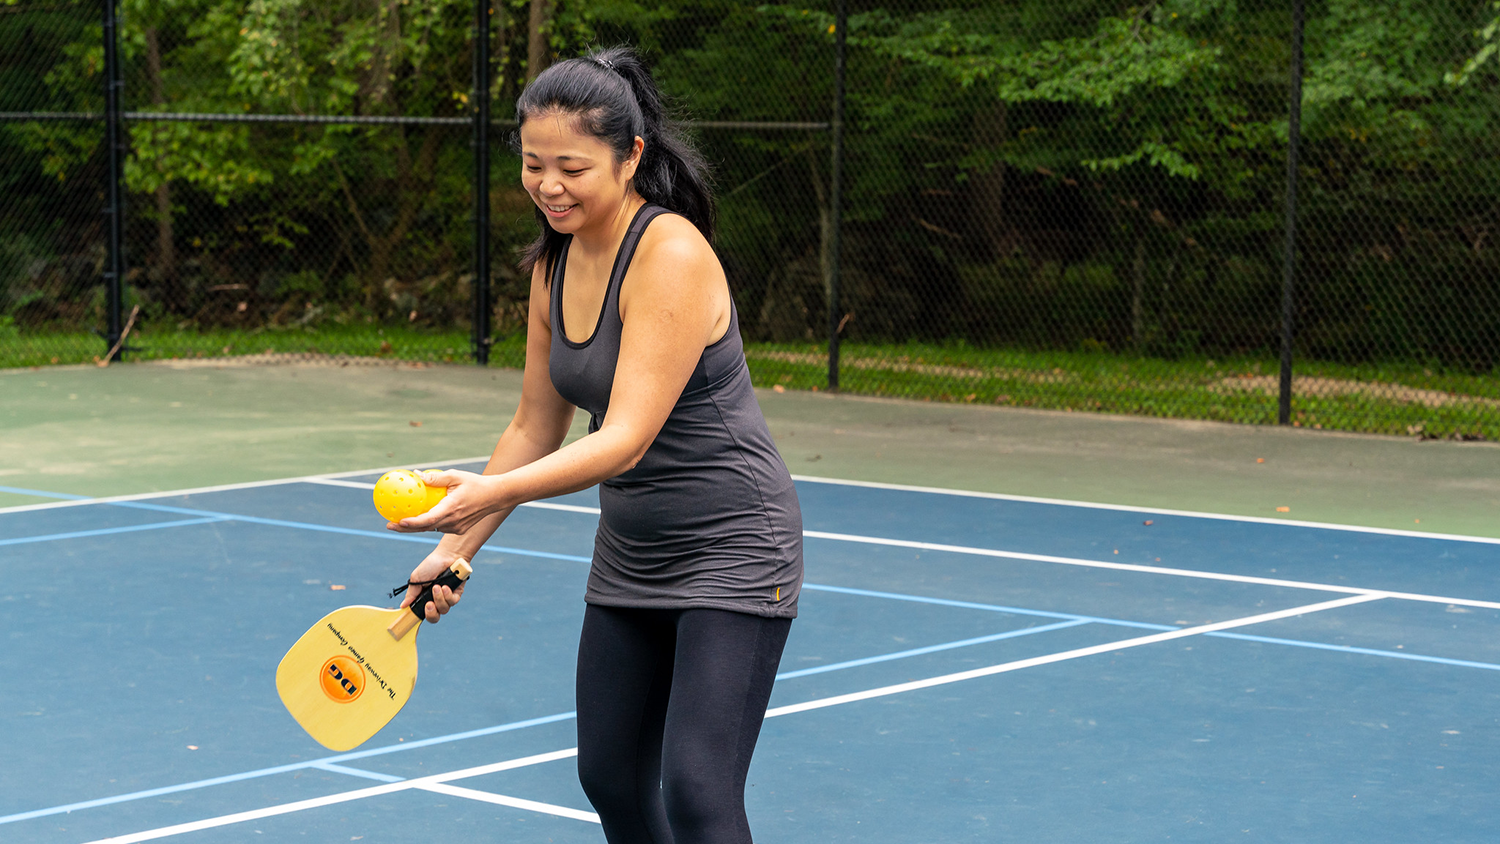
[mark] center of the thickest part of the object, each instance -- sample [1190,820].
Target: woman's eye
[572,172]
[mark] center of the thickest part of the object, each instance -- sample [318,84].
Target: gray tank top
[709,517]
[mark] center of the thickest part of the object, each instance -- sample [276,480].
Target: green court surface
[174,425]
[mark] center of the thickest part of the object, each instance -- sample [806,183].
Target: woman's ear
[634,161]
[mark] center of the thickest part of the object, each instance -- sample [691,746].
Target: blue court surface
[965,668]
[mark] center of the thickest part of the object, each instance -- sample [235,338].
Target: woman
[698,556]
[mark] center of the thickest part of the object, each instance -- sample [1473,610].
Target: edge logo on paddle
[342,679]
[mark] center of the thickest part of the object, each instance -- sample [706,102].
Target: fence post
[835,193]
[1294,137]
[114,268]
[481,190]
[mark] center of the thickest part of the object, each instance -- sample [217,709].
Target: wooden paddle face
[348,676]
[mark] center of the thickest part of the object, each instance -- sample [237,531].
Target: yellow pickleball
[401,494]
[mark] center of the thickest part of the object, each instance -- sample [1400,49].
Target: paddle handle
[452,578]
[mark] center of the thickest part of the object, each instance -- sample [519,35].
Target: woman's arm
[538,428]
[674,304]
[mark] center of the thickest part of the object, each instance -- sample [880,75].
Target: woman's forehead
[556,134]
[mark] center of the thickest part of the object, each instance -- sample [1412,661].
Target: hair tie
[605,63]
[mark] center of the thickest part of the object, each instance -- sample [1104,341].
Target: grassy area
[1389,399]
[392,342]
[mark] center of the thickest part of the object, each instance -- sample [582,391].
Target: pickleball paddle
[352,672]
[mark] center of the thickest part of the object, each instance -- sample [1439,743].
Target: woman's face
[573,177]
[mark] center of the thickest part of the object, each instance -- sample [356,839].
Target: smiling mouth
[558,209]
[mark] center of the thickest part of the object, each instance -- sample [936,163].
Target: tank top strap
[638,224]
[609,312]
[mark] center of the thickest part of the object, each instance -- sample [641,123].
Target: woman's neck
[605,238]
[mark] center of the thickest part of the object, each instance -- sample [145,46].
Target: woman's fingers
[443,600]
[460,510]
[440,477]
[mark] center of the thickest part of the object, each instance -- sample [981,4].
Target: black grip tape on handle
[448,578]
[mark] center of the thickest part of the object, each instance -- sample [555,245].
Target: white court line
[341,797]
[513,802]
[539,505]
[146,496]
[435,779]
[335,768]
[1131,567]
[1077,561]
[568,508]
[1163,511]
[997,496]
[1066,655]
[331,480]
[335,482]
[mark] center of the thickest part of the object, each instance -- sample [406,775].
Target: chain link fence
[1083,206]
[1077,205]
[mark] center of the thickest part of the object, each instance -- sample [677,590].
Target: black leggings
[670,703]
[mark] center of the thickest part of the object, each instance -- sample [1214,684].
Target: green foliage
[1066,176]
[1489,37]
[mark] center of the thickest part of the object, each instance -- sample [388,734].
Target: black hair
[613,97]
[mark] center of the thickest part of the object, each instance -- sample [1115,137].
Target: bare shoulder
[678,279]
[673,247]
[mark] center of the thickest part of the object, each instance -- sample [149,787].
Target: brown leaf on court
[415,424]
[1260,460]
[1147,522]
[778,388]
[336,587]
[1283,509]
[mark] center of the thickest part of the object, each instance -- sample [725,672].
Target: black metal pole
[481,289]
[1294,137]
[835,193]
[114,267]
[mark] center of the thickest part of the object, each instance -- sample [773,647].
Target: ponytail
[614,99]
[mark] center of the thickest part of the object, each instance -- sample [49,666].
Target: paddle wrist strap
[448,578]
[453,578]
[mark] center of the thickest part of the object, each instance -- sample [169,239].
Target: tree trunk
[987,184]
[413,183]
[1138,275]
[166,252]
[537,51]
[825,232]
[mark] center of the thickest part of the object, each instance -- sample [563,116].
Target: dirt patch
[1056,376]
[1316,387]
[284,359]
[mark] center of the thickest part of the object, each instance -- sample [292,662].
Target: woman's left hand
[469,500]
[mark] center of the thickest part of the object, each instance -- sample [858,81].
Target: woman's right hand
[470,499]
[443,598]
